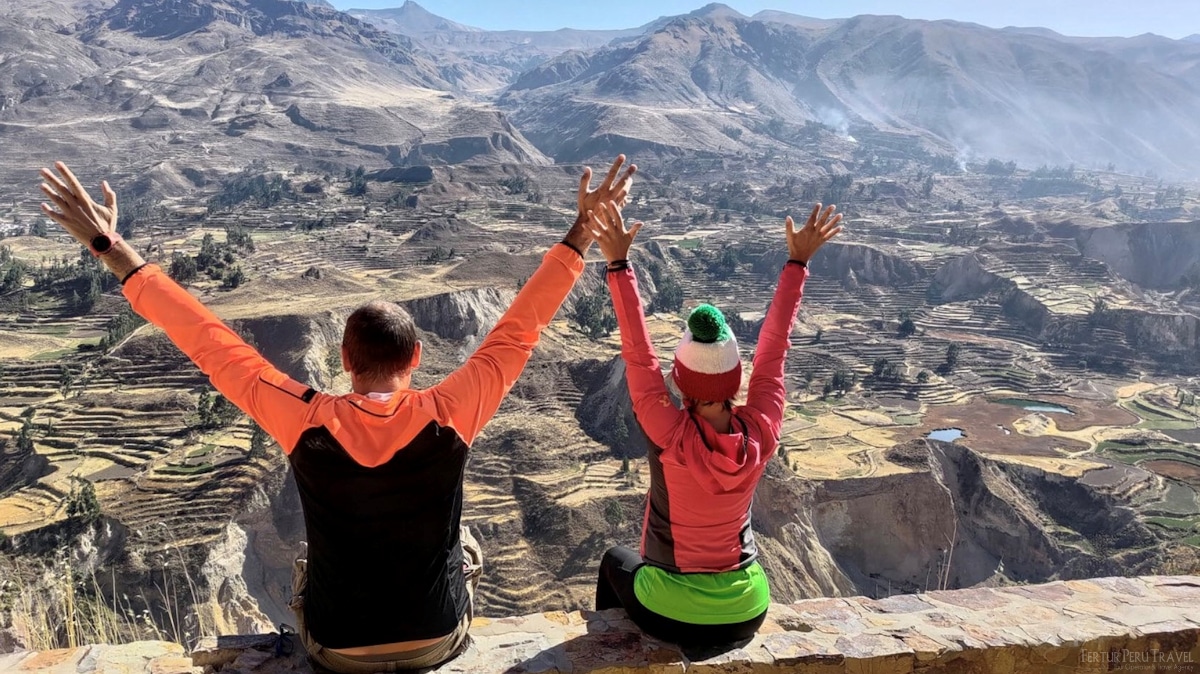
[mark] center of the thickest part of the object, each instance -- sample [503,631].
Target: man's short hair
[380,339]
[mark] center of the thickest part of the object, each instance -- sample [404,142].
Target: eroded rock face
[852,263]
[1004,522]
[273,529]
[19,467]
[606,407]
[1148,333]
[1155,255]
[964,278]
[798,559]
[460,315]
[223,572]
[297,344]
[885,532]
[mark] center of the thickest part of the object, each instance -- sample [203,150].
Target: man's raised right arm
[470,396]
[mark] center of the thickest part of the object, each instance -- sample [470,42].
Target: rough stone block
[220,651]
[1084,586]
[925,647]
[784,619]
[1178,587]
[1050,593]
[61,661]
[752,658]
[1127,587]
[9,661]
[791,649]
[901,603]
[510,652]
[173,664]
[871,646]
[132,658]
[975,599]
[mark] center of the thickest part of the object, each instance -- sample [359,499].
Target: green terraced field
[206,450]
[1134,454]
[1180,500]
[1189,524]
[187,470]
[1156,417]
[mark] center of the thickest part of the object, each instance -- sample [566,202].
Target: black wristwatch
[104,243]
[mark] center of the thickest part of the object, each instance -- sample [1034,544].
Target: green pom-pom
[707,324]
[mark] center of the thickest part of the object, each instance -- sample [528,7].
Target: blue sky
[1173,18]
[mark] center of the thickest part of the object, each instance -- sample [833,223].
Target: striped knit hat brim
[710,372]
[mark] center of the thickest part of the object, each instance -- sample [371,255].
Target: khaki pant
[421,658]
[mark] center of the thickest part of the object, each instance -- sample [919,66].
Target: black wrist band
[570,245]
[802,263]
[135,270]
[618,265]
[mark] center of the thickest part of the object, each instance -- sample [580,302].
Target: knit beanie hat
[707,365]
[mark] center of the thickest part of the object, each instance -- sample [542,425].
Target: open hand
[820,228]
[611,189]
[83,218]
[607,227]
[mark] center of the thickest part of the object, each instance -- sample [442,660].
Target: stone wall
[1139,625]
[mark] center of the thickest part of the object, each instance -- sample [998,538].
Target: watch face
[101,243]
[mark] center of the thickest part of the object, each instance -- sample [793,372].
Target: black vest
[384,559]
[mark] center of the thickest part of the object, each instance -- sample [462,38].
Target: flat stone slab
[143,657]
[1149,624]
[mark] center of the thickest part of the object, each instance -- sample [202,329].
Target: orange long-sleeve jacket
[380,481]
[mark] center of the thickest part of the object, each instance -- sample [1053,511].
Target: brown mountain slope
[238,80]
[1178,58]
[677,88]
[982,92]
[1030,99]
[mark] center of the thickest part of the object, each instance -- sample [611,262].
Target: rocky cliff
[1150,334]
[851,264]
[1156,255]
[460,315]
[961,519]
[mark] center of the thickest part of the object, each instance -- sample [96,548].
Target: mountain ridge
[242,80]
[709,81]
[981,91]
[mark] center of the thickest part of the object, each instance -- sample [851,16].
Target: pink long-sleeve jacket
[702,482]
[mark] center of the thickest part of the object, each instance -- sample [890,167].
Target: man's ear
[416,358]
[345,360]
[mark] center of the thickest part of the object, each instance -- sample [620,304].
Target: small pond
[1035,405]
[946,434]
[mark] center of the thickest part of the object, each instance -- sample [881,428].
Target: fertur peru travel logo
[1152,660]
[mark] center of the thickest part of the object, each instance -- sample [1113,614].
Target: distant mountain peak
[412,18]
[416,8]
[1192,38]
[714,10]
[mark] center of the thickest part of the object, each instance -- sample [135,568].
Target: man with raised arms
[390,574]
